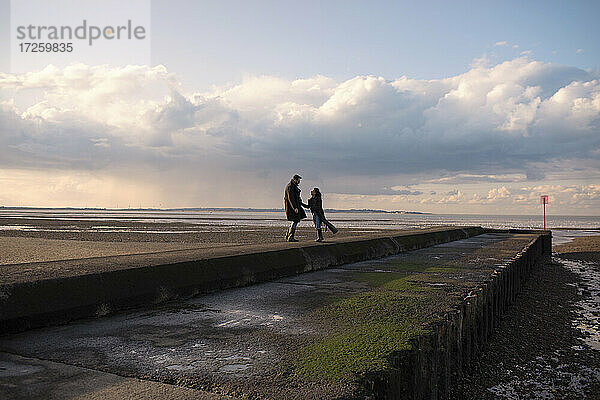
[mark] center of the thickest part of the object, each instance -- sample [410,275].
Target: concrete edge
[439,359]
[55,301]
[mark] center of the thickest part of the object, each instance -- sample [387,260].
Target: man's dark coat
[292,200]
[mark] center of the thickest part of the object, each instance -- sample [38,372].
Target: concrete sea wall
[30,304]
[437,360]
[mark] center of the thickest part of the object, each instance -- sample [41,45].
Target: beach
[581,248]
[26,240]
[34,235]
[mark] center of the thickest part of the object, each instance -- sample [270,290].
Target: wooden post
[544,201]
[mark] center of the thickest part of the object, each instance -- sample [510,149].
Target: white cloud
[501,43]
[477,178]
[491,124]
[505,111]
[579,51]
[497,194]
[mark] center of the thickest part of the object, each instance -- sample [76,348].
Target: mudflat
[33,249]
[585,248]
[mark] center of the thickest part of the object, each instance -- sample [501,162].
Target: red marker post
[544,201]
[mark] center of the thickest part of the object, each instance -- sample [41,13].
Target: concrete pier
[402,326]
[50,293]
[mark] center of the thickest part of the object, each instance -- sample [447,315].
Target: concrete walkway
[32,379]
[324,334]
[50,293]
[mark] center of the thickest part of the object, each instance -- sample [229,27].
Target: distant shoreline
[230,209]
[277,210]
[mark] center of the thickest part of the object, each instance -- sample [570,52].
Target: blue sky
[213,42]
[449,107]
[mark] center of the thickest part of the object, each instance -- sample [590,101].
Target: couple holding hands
[295,213]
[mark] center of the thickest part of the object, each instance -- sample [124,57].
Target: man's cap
[296,177]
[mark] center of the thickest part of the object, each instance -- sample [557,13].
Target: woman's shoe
[290,237]
[319,236]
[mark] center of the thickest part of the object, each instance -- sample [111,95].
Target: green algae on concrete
[367,328]
[443,269]
[361,348]
[394,311]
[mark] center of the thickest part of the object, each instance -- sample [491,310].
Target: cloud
[526,52]
[405,192]
[453,197]
[501,43]
[478,178]
[560,196]
[491,123]
[497,194]
[375,186]
[579,51]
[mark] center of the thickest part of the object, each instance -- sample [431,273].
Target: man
[293,206]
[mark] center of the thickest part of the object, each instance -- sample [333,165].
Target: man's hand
[296,210]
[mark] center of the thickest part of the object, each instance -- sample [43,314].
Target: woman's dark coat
[292,200]
[316,207]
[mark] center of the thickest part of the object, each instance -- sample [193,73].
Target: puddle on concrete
[246,319]
[234,368]
[233,357]
[159,358]
[177,367]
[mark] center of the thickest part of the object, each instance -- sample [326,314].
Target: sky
[443,107]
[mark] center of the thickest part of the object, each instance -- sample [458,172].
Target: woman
[315,203]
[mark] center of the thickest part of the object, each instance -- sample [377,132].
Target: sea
[564,228]
[353,219]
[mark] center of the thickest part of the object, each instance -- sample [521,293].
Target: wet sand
[174,232]
[539,350]
[52,240]
[581,248]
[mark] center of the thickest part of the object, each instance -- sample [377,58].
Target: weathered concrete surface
[36,294]
[34,379]
[400,327]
